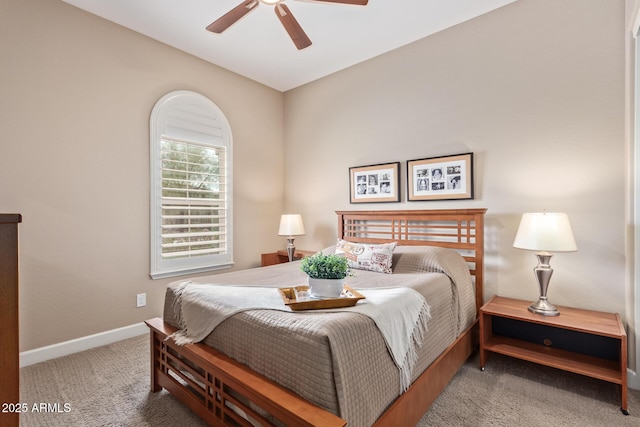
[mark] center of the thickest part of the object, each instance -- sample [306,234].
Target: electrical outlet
[141,300]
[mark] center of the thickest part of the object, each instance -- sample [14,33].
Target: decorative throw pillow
[364,256]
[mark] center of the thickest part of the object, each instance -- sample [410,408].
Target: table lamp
[291,225]
[544,232]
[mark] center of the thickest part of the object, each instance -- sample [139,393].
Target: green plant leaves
[320,266]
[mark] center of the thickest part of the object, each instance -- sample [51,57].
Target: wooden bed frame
[216,387]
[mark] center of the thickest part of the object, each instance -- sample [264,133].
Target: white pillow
[365,256]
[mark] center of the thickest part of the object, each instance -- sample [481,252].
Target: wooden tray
[349,298]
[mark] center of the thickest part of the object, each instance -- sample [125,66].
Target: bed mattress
[339,360]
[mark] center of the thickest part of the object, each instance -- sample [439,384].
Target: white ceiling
[259,48]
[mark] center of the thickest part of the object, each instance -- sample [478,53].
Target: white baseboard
[633,380]
[53,351]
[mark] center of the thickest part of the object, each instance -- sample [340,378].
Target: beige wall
[76,97]
[633,288]
[535,89]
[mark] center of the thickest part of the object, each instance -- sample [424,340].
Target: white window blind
[194,199]
[190,186]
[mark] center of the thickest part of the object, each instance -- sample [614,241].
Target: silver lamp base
[544,307]
[291,249]
[543,272]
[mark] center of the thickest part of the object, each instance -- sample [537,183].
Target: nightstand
[282,256]
[585,342]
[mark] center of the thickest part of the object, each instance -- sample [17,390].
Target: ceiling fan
[290,24]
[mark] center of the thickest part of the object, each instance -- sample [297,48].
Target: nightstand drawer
[553,337]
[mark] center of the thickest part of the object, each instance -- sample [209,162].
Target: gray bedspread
[339,360]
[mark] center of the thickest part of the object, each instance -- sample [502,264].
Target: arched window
[191,203]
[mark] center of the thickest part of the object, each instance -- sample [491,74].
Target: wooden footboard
[222,391]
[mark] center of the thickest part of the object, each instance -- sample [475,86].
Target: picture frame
[440,178]
[375,183]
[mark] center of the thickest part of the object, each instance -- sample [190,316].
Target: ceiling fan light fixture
[271,2]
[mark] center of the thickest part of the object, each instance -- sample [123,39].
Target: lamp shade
[291,225]
[545,232]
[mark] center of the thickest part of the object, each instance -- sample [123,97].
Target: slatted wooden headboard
[458,229]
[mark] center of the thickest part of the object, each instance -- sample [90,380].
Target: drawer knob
[547,342]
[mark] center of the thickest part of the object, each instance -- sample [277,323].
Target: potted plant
[326,274]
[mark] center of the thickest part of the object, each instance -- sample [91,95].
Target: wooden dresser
[9,350]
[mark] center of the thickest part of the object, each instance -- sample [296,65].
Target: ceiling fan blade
[294,29]
[355,2]
[231,17]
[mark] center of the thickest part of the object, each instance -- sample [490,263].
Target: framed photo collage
[435,178]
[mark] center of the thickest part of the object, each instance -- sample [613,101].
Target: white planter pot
[326,288]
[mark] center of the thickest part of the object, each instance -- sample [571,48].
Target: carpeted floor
[109,386]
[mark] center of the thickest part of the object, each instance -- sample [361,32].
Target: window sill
[175,273]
